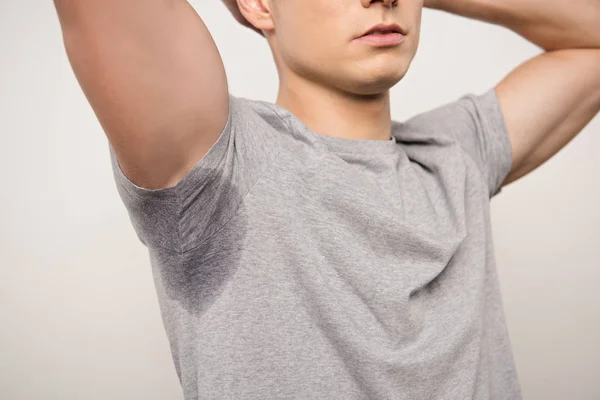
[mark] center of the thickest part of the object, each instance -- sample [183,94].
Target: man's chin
[376,83]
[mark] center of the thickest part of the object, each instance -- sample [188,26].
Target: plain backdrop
[78,311]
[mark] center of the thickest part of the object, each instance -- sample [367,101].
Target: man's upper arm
[546,102]
[154,78]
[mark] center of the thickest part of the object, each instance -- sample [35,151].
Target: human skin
[335,84]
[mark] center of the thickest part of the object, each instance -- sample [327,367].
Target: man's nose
[387,3]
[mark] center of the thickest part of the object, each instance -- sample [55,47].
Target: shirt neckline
[345,145]
[337,144]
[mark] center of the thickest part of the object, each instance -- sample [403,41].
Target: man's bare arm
[548,100]
[154,78]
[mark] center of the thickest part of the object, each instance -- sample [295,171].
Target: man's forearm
[550,24]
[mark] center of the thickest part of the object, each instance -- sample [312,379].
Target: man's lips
[387,39]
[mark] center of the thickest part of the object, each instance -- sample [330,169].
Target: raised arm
[154,78]
[549,99]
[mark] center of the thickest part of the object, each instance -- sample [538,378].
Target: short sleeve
[182,217]
[477,124]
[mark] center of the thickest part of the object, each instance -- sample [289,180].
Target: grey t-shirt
[294,265]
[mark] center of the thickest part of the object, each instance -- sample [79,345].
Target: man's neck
[333,113]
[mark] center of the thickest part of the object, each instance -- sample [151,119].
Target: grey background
[78,312]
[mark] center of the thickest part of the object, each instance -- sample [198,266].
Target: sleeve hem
[500,154]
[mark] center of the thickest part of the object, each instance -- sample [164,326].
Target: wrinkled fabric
[294,265]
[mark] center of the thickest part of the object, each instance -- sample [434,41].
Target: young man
[313,248]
